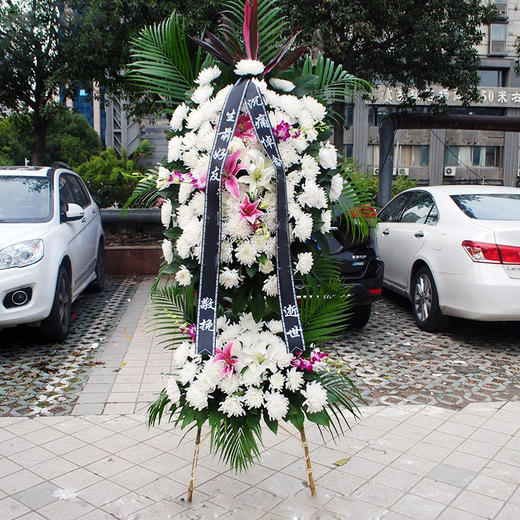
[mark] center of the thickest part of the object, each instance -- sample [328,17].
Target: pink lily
[229,362]
[249,210]
[245,129]
[231,168]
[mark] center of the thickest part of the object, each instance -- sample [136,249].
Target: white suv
[51,246]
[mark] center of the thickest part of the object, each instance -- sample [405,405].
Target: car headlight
[21,254]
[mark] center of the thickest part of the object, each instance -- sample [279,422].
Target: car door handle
[419,234]
[84,219]
[386,231]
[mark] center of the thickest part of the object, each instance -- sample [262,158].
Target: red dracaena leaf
[250,29]
[211,50]
[281,53]
[231,36]
[293,56]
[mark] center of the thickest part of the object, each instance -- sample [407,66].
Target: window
[349,150]
[418,209]
[492,77]
[349,114]
[71,192]
[391,212]
[373,155]
[489,206]
[25,199]
[488,156]
[497,38]
[413,155]
[376,114]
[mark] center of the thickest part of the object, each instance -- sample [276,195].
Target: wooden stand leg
[308,463]
[191,486]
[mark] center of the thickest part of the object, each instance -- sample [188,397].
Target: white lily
[260,171]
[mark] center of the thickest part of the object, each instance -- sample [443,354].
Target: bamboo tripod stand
[306,451]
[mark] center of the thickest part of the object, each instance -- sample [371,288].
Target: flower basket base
[306,451]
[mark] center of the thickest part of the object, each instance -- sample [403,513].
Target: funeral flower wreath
[248,153]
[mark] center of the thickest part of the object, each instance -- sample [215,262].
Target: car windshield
[492,206]
[25,199]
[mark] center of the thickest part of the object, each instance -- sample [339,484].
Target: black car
[361,268]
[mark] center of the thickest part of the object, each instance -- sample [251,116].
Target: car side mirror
[74,212]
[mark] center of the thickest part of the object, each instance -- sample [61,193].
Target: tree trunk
[39,138]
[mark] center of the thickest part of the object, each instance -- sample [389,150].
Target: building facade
[449,156]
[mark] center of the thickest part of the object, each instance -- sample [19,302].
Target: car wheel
[56,327]
[360,316]
[99,283]
[425,302]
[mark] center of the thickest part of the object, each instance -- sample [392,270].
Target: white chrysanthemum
[232,406]
[178,117]
[167,250]
[282,84]
[336,187]
[197,396]
[181,353]
[249,67]
[196,117]
[166,213]
[304,264]
[252,376]
[277,405]
[266,266]
[230,334]
[183,247]
[294,177]
[193,231]
[236,228]
[226,252]
[276,381]
[288,153]
[197,204]
[275,326]
[174,148]
[328,157]
[254,398]
[188,372]
[246,253]
[317,110]
[202,94]
[310,168]
[229,384]
[230,278]
[313,196]
[261,84]
[247,322]
[184,215]
[270,286]
[220,97]
[209,376]
[294,380]
[236,144]
[172,389]
[208,75]
[326,217]
[183,276]
[185,189]
[291,105]
[316,397]
[303,228]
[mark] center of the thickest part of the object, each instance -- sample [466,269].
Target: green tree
[407,42]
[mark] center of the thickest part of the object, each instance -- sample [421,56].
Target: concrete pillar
[436,173]
[360,125]
[96,109]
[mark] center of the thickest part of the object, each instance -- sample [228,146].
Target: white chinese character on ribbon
[253,102]
[219,154]
[230,116]
[267,142]
[294,332]
[261,121]
[277,162]
[214,174]
[290,311]
[226,135]
[207,303]
[206,325]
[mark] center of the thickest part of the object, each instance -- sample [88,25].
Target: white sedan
[453,251]
[51,247]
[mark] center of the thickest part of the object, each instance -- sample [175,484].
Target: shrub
[110,179]
[370,182]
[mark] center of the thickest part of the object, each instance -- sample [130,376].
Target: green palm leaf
[324,310]
[144,195]
[161,62]
[171,309]
[272,26]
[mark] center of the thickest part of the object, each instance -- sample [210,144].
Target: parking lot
[393,361]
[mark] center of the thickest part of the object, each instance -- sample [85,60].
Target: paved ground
[46,378]
[394,362]
[456,461]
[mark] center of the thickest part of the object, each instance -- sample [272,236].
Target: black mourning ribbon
[246,90]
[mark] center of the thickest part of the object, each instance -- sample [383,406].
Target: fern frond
[144,195]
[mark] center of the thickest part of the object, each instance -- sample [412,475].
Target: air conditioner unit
[497,47]
[394,172]
[449,171]
[376,171]
[403,171]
